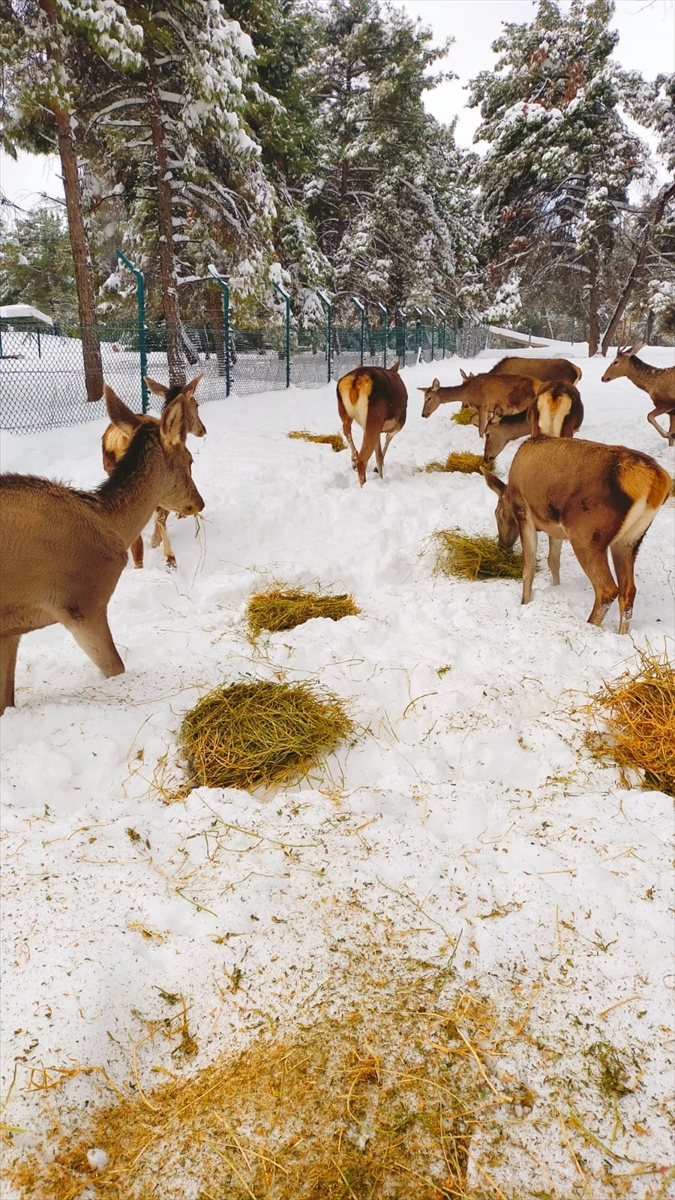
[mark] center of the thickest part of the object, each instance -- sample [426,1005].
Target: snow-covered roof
[24,312]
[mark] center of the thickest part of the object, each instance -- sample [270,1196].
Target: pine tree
[560,158]
[40,43]
[36,265]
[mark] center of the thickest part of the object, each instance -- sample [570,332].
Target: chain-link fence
[43,382]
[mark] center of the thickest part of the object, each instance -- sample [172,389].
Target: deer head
[620,366]
[431,398]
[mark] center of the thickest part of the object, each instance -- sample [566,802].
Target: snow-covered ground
[467,806]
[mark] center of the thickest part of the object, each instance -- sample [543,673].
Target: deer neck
[640,373]
[134,489]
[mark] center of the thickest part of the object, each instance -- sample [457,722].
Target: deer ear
[191,387]
[172,423]
[160,389]
[463,374]
[493,481]
[395,366]
[435,385]
[121,416]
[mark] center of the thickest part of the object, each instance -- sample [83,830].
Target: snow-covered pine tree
[561,157]
[40,44]
[36,264]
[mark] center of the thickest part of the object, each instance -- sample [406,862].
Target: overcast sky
[647,29]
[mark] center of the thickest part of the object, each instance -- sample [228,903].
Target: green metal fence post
[329,311]
[287,300]
[226,321]
[442,313]
[433,330]
[140,297]
[420,316]
[362,309]
[404,323]
[384,322]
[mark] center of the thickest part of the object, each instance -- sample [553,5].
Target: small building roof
[23,312]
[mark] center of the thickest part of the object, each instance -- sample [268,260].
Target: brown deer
[549,370]
[114,443]
[376,398]
[556,411]
[658,382]
[63,550]
[596,497]
[493,396]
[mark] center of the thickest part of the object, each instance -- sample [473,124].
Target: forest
[287,142]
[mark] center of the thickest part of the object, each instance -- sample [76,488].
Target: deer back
[556,370]
[374,394]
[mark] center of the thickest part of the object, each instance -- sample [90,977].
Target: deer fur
[115,442]
[597,497]
[63,550]
[553,370]
[658,382]
[556,411]
[376,398]
[493,396]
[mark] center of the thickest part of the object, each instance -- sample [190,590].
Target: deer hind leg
[8,648]
[347,430]
[137,551]
[593,561]
[92,634]
[554,548]
[371,441]
[159,534]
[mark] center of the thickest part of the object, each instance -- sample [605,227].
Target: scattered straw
[279,609]
[475,557]
[639,716]
[464,416]
[464,462]
[335,440]
[248,735]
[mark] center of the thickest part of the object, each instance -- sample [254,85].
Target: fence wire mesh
[42,376]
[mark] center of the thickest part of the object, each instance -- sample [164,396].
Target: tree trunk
[658,208]
[593,303]
[174,337]
[79,242]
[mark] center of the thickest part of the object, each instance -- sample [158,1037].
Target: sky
[647,29]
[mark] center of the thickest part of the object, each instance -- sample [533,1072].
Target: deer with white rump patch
[376,398]
[556,411]
[63,550]
[115,441]
[658,382]
[597,497]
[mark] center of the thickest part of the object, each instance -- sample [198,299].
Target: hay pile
[281,608]
[464,416]
[249,735]
[335,440]
[475,558]
[638,712]
[464,462]
[379,1097]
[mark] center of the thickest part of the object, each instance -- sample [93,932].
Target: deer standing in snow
[556,411]
[63,550]
[115,442]
[597,497]
[376,398]
[658,382]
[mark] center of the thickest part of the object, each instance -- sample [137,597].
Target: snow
[467,806]
[23,312]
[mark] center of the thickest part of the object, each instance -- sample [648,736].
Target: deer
[493,396]
[114,444]
[556,411]
[63,550]
[376,398]
[549,370]
[658,382]
[597,497]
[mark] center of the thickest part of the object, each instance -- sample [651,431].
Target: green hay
[475,557]
[464,416]
[280,609]
[464,462]
[325,439]
[248,735]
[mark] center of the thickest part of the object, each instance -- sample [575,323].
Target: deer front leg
[159,534]
[380,462]
[137,551]
[554,548]
[92,634]
[8,649]
[593,562]
[528,541]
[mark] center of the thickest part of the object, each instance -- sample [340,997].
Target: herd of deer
[63,550]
